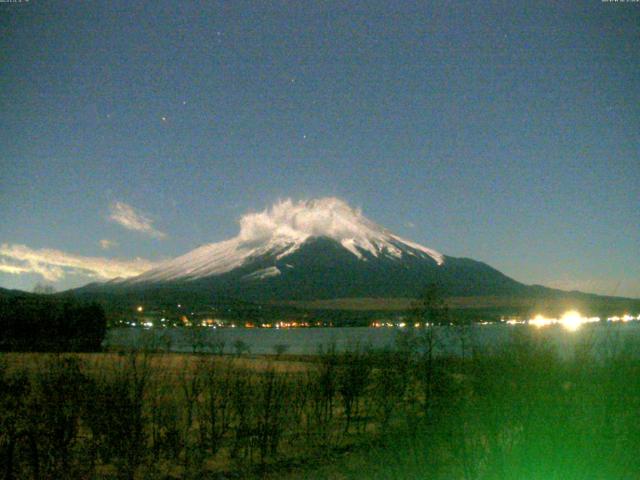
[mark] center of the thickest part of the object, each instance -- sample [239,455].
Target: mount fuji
[312,250]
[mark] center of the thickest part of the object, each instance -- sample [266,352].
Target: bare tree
[432,311]
[44,289]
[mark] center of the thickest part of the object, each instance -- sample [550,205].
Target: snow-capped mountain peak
[281,230]
[294,223]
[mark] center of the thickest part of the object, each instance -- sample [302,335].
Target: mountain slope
[319,249]
[312,253]
[283,230]
[321,268]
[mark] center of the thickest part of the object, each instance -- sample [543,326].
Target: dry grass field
[520,412]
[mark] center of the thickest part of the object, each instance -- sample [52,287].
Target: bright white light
[539,321]
[572,320]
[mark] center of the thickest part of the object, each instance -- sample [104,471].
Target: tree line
[44,323]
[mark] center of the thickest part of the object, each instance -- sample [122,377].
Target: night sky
[508,132]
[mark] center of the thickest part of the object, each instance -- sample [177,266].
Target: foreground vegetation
[518,412]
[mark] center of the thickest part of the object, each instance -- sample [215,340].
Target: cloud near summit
[324,216]
[131,219]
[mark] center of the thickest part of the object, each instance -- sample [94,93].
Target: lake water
[604,338]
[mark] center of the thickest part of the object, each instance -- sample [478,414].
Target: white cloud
[330,217]
[106,244]
[410,225]
[53,265]
[129,218]
[12,269]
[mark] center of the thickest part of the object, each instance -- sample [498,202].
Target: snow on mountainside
[280,231]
